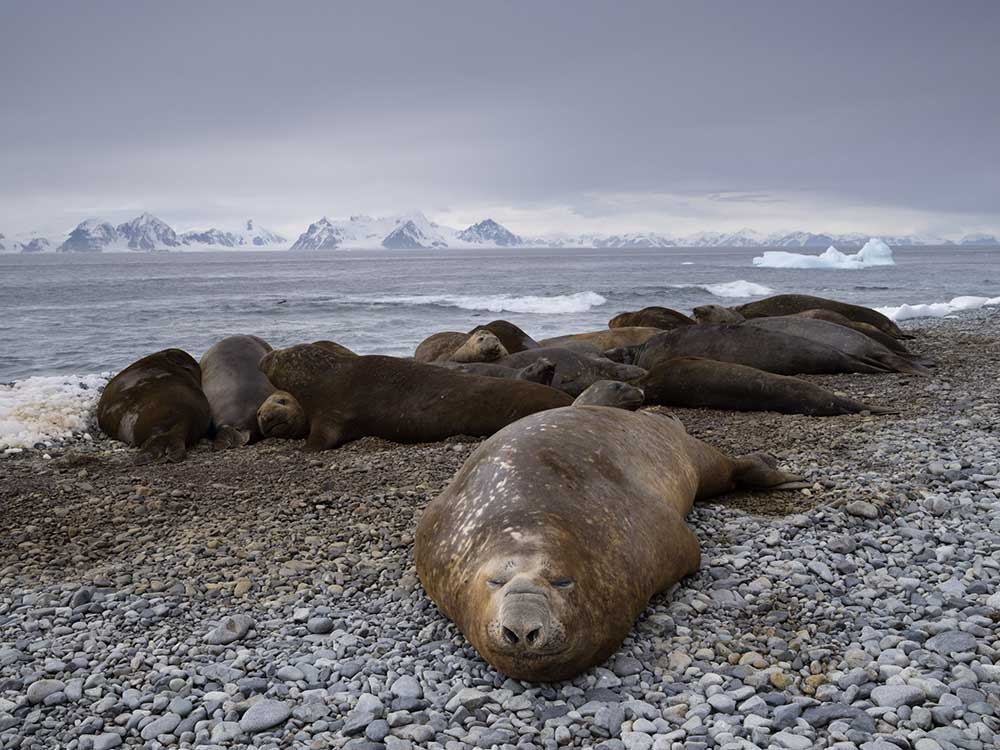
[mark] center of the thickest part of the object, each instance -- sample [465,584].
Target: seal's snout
[524,623]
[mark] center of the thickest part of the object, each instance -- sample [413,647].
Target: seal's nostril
[534,635]
[510,636]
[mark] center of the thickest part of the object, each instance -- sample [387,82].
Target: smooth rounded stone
[994,601]
[107,741]
[468,698]
[163,725]
[722,703]
[637,741]
[181,706]
[264,715]
[230,630]
[894,696]
[39,690]
[226,731]
[407,686]
[927,743]
[862,509]
[626,666]
[792,741]
[368,709]
[320,625]
[288,673]
[950,642]
[377,730]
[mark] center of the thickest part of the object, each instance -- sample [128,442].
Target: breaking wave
[739,288]
[43,409]
[560,303]
[937,309]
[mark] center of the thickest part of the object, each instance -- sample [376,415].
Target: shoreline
[864,606]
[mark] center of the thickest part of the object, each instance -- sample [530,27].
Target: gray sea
[62,314]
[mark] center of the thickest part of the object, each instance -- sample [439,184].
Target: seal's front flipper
[323,437]
[759,470]
[228,436]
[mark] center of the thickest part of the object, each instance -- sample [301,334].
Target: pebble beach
[265,597]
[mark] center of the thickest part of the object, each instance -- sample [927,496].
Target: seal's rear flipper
[228,436]
[759,470]
[163,447]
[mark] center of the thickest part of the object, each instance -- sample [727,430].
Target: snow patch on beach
[937,309]
[739,288]
[561,303]
[42,409]
[874,253]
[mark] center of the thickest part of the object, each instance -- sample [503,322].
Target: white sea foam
[42,409]
[874,253]
[561,303]
[739,288]
[937,309]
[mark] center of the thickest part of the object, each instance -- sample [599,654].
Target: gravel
[266,598]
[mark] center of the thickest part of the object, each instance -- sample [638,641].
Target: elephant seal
[611,393]
[451,346]
[540,371]
[610,338]
[575,372]
[157,405]
[789,304]
[841,338]
[889,342]
[397,399]
[651,317]
[336,348]
[282,416]
[697,383]
[235,388]
[770,350]
[513,338]
[553,536]
[713,314]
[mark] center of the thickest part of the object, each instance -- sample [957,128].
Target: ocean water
[78,314]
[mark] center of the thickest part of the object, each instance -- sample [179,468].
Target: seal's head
[611,393]
[542,371]
[481,346]
[282,416]
[714,314]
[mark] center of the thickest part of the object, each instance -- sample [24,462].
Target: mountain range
[415,231]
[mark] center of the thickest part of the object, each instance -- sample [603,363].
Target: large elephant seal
[336,348]
[839,337]
[611,393]
[156,404]
[714,314]
[770,350]
[282,416]
[451,346]
[697,383]
[550,540]
[235,388]
[540,371]
[889,342]
[575,372]
[651,317]
[610,338]
[396,399]
[513,338]
[789,304]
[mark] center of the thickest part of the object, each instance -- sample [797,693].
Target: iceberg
[874,253]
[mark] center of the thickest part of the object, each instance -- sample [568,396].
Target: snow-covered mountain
[321,235]
[91,236]
[409,236]
[490,231]
[979,240]
[250,235]
[34,245]
[147,232]
[409,232]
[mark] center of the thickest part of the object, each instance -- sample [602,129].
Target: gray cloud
[772,114]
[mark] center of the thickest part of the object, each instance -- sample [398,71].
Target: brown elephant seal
[397,399]
[513,338]
[844,339]
[553,536]
[789,304]
[540,371]
[651,317]
[770,350]
[157,405]
[610,338]
[889,342]
[714,314]
[450,346]
[282,416]
[611,393]
[235,388]
[336,348]
[697,383]
[575,372]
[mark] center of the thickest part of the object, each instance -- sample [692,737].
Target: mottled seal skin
[157,405]
[397,399]
[336,348]
[697,383]
[575,372]
[540,371]
[610,338]
[451,346]
[844,339]
[513,338]
[772,351]
[550,540]
[235,388]
[612,393]
[714,314]
[651,317]
[439,345]
[789,304]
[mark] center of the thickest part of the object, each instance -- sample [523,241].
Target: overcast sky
[572,116]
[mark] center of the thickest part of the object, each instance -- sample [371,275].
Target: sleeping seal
[574,371]
[156,404]
[789,304]
[513,338]
[540,371]
[346,398]
[610,338]
[550,540]
[651,317]
[235,388]
[451,346]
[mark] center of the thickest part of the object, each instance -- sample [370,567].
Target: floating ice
[561,303]
[874,253]
[937,309]
[739,288]
[41,409]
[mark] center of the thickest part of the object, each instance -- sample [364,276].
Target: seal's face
[482,346]
[281,416]
[529,627]
[611,393]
